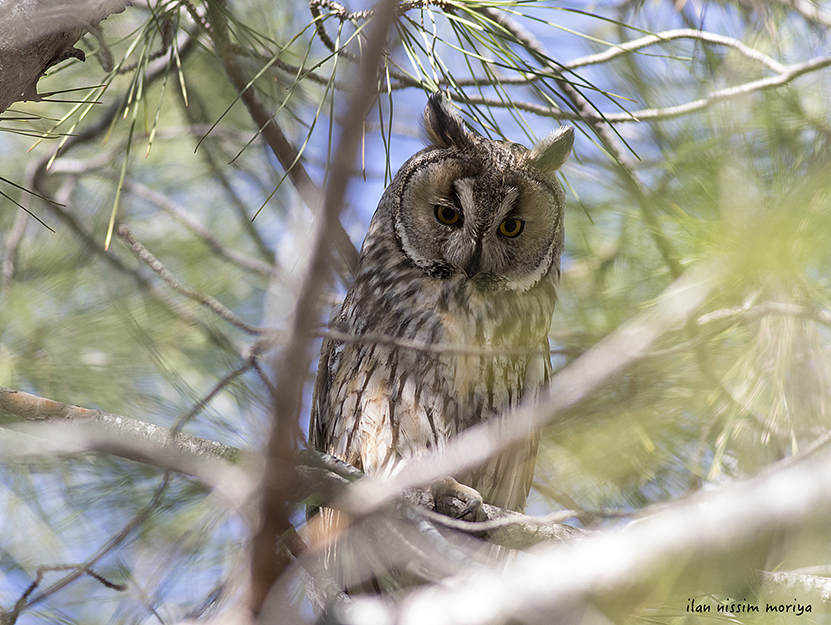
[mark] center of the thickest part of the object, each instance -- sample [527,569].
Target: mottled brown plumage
[463,250]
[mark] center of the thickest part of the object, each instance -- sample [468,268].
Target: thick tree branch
[37,35]
[712,542]
[115,434]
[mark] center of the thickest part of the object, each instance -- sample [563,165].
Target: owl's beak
[474,264]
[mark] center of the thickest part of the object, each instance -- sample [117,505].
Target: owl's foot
[456,500]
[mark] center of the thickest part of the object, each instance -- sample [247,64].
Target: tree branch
[37,35]
[720,537]
[140,517]
[114,434]
[206,300]
[294,360]
[788,74]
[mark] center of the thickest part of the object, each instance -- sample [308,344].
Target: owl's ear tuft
[443,126]
[552,152]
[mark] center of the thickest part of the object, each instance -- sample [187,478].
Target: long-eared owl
[463,252]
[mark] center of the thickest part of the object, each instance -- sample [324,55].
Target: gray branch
[721,537]
[80,428]
[783,75]
[37,35]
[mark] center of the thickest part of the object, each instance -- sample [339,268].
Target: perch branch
[615,570]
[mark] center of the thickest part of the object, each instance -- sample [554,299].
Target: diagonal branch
[206,300]
[285,152]
[722,537]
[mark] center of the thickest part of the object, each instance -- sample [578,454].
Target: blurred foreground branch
[323,478]
[711,542]
[276,502]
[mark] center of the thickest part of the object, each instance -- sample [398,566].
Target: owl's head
[490,212]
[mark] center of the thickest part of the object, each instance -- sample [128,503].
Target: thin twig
[206,300]
[668,35]
[789,74]
[285,152]
[200,405]
[21,603]
[191,223]
[420,346]
[217,337]
[615,51]
[111,544]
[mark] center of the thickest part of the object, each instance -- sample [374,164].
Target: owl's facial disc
[486,245]
[480,222]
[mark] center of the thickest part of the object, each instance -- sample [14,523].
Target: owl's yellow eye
[511,227]
[448,215]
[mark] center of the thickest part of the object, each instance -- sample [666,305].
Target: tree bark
[37,34]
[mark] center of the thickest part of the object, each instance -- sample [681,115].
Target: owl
[462,253]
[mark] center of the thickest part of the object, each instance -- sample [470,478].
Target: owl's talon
[455,500]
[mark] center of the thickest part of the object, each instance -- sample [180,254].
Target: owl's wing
[537,377]
[320,396]
[521,460]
